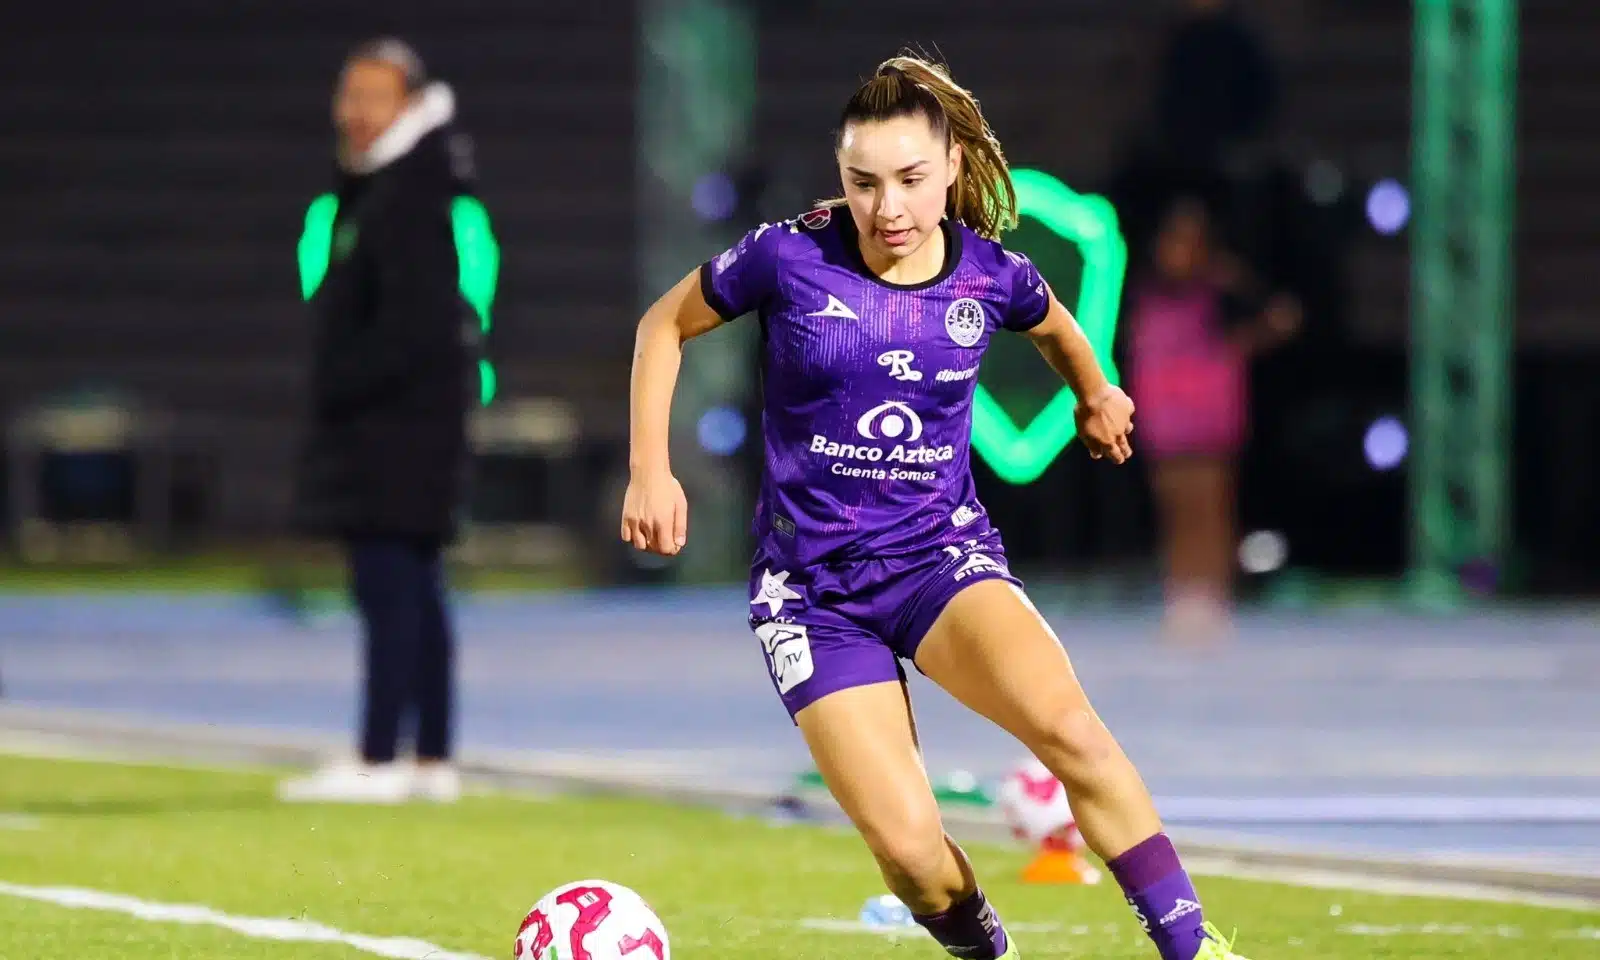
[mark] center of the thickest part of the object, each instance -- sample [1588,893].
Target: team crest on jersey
[965,322]
[817,219]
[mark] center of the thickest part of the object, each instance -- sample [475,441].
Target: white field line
[1352,879]
[1113,931]
[258,928]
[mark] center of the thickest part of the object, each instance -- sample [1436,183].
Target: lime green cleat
[1217,947]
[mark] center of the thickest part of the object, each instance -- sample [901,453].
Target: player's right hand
[1104,422]
[655,513]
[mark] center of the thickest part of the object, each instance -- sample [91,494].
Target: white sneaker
[436,782]
[350,783]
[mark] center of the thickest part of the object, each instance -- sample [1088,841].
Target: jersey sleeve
[745,276]
[1030,295]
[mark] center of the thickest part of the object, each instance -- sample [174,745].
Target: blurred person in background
[1218,88]
[1214,110]
[384,467]
[1196,318]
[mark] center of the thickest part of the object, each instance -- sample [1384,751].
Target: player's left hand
[1104,422]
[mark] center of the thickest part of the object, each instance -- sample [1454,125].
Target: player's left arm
[1104,414]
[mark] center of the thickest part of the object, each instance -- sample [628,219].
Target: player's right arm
[655,513]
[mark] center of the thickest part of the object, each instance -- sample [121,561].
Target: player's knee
[1073,739]
[912,849]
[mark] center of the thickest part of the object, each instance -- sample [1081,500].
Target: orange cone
[1057,863]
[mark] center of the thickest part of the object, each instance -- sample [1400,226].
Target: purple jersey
[868,384]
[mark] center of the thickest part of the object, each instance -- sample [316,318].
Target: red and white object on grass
[592,920]
[1034,805]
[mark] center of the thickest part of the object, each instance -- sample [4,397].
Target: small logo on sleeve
[817,219]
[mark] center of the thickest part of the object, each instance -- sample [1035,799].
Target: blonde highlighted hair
[983,196]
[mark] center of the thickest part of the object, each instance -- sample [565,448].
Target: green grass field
[462,877]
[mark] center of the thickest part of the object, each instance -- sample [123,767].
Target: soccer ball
[592,920]
[1034,805]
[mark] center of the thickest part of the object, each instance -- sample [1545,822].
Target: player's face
[369,99]
[896,176]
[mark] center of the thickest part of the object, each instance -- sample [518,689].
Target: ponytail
[983,196]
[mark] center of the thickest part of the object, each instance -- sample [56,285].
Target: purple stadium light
[1386,443]
[1388,207]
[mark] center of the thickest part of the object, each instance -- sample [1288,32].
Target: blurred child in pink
[1195,324]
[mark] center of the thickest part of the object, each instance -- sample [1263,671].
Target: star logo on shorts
[774,590]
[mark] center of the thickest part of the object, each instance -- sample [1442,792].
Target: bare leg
[864,742]
[992,651]
[995,654]
[1215,488]
[1199,544]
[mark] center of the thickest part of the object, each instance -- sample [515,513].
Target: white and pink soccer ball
[592,920]
[1034,805]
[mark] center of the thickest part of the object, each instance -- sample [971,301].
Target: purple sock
[969,929]
[1162,897]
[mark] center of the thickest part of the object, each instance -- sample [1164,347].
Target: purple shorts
[833,626]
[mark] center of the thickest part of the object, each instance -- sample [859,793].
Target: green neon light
[476,249]
[316,243]
[1019,455]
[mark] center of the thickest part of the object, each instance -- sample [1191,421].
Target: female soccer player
[876,309]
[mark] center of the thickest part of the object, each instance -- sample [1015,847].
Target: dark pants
[399,588]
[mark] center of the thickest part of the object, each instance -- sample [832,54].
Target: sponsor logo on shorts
[773,591]
[788,649]
[893,452]
[963,516]
[978,563]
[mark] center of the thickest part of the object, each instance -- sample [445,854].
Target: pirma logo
[978,563]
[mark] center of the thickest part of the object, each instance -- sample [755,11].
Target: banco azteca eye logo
[965,322]
[890,420]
